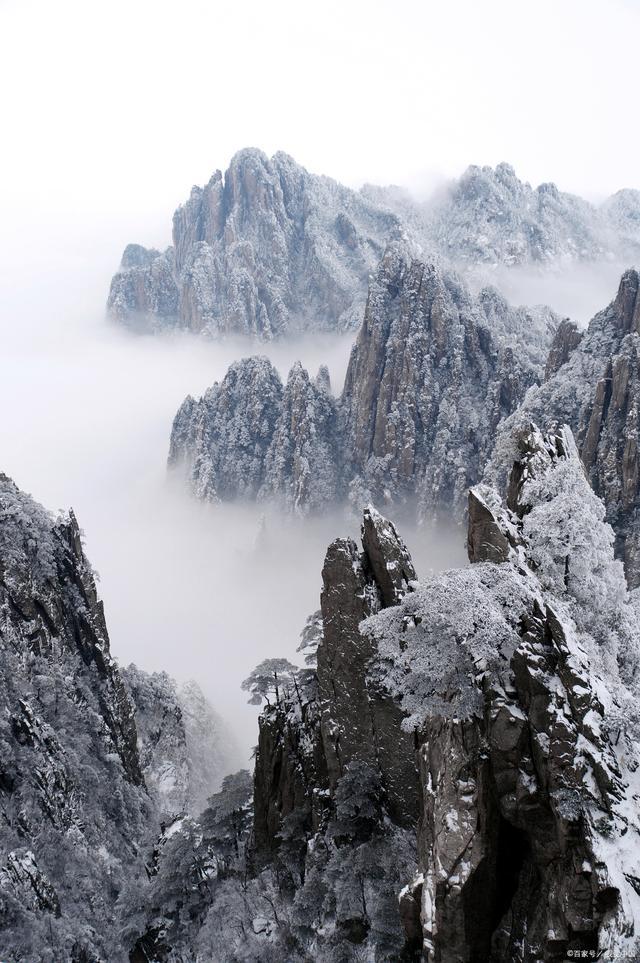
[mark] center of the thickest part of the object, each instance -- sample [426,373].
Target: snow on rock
[491,217]
[457,779]
[519,678]
[91,758]
[71,785]
[432,373]
[185,749]
[266,250]
[595,391]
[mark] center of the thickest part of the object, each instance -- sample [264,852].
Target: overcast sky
[116,108]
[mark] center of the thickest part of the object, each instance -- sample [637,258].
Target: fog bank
[87,409]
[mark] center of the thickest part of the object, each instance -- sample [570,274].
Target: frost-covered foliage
[519,679]
[326,895]
[78,821]
[184,746]
[311,637]
[464,622]
[250,437]
[570,545]
[302,465]
[595,392]
[452,627]
[272,678]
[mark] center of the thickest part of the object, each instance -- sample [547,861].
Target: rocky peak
[431,375]
[627,304]
[594,391]
[456,780]
[565,340]
[302,465]
[250,437]
[428,355]
[524,785]
[221,441]
[388,557]
[265,249]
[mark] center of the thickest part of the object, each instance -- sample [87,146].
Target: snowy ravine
[84,767]
[268,249]
[455,779]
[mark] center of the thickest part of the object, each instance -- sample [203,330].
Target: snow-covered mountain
[265,250]
[268,249]
[490,217]
[79,818]
[432,372]
[451,776]
[456,780]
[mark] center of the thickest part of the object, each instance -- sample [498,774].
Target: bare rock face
[388,557]
[595,391]
[430,377]
[336,718]
[565,340]
[358,721]
[264,250]
[489,539]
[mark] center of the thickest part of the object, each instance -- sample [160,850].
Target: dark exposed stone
[565,340]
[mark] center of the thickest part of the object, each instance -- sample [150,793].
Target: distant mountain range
[268,249]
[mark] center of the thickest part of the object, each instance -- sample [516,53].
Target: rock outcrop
[431,375]
[221,441]
[78,820]
[487,715]
[528,836]
[71,786]
[593,384]
[251,437]
[265,250]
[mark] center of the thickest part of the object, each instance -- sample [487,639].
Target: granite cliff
[268,249]
[432,373]
[453,776]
